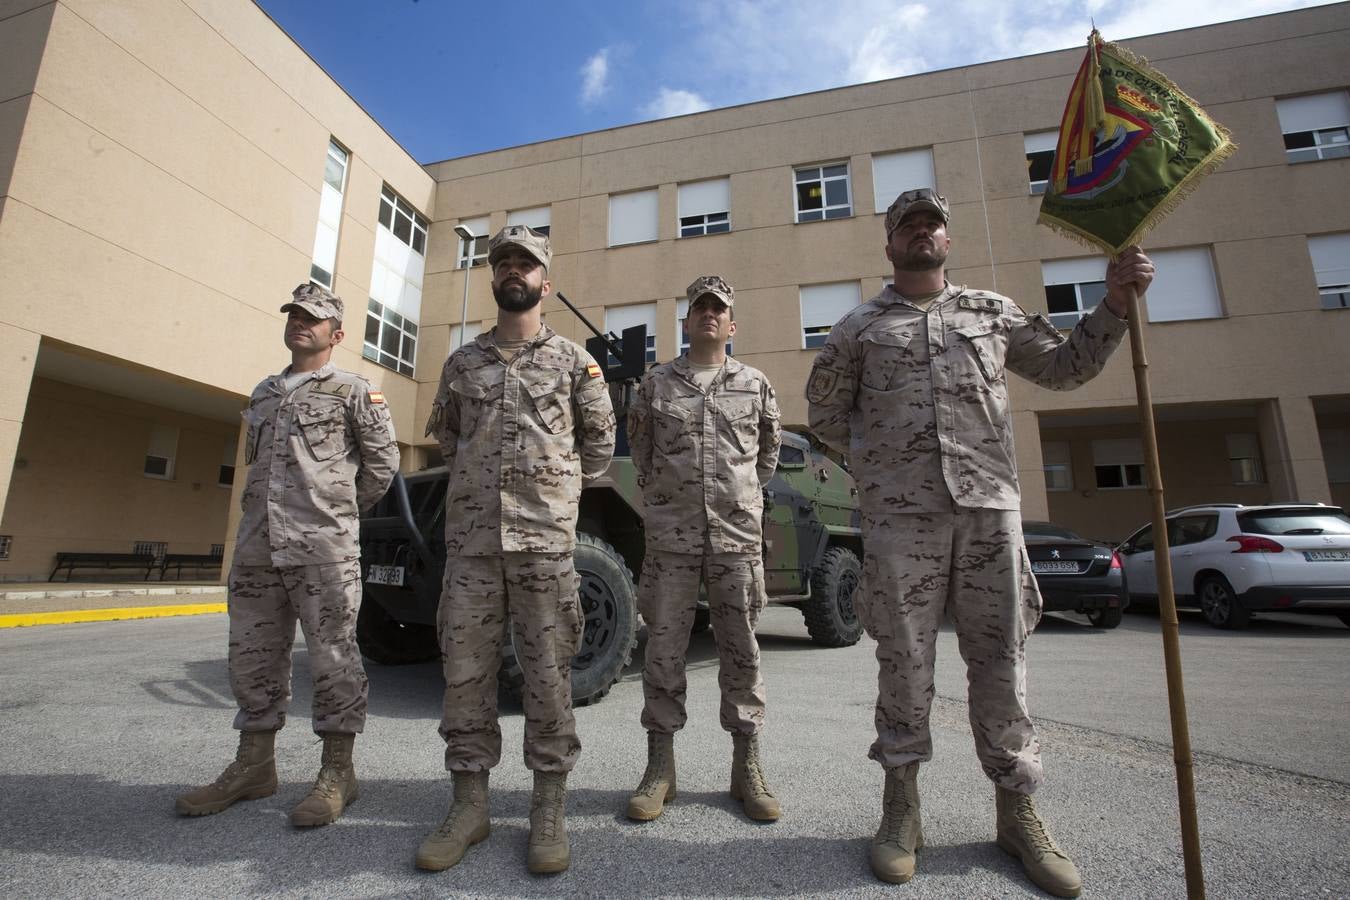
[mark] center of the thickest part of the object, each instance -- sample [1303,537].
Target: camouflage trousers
[537,594]
[667,599]
[264,605]
[971,565]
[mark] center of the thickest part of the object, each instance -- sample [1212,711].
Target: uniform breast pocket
[988,344]
[738,419]
[673,422]
[472,396]
[325,432]
[884,357]
[552,401]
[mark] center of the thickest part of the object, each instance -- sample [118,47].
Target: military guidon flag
[1131,147]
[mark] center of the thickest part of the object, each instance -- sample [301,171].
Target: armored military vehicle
[812,547]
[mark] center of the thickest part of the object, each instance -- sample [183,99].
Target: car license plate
[1057,567]
[1327,555]
[392,575]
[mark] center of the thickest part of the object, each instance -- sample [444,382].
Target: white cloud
[670,102]
[885,48]
[595,78]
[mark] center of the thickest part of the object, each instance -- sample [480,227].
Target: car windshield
[1295,521]
[1045,529]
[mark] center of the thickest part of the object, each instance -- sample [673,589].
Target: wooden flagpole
[1167,613]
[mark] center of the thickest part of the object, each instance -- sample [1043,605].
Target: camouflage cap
[711,284]
[319,302]
[912,201]
[526,238]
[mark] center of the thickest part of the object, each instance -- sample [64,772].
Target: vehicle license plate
[1058,567]
[385,575]
[1327,555]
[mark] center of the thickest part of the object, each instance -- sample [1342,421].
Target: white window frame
[1184,286]
[395,304]
[386,326]
[466,256]
[323,264]
[827,301]
[1244,458]
[394,211]
[1081,280]
[1330,254]
[162,445]
[1123,456]
[471,331]
[634,217]
[1057,461]
[540,218]
[617,318]
[682,313]
[1040,149]
[1316,125]
[704,207]
[823,175]
[899,171]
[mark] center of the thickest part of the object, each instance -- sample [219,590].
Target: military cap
[535,243]
[319,302]
[912,201]
[710,284]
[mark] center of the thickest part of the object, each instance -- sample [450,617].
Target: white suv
[1231,560]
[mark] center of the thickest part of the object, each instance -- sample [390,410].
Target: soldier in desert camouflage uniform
[912,387]
[320,448]
[524,420]
[704,435]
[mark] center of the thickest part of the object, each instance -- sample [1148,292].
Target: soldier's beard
[517,298]
[923,259]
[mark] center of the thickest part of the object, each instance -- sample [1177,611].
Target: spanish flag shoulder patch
[376,396]
[593,370]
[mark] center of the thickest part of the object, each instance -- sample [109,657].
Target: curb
[64,617]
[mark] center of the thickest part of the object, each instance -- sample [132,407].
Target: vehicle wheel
[1345,619]
[385,640]
[1105,618]
[702,619]
[830,616]
[1220,605]
[609,605]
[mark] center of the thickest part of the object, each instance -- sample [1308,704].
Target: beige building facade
[169,171]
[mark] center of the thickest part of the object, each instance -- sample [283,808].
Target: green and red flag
[1131,146]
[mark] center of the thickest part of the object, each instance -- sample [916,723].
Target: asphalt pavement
[106,722]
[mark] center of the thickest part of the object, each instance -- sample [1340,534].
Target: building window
[1336,454]
[6,542]
[1073,288]
[633,217]
[895,173]
[1244,458]
[471,331]
[618,318]
[1331,264]
[823,193]
[474,252]
[330,216]
[822,306]
[1315,126]
[225,478]
[1118,464]
[157,549]
[682,313]
[395,305]
[163,449]
[218,551]
[1040,148]
[1184,286]
[1058,465]
[538,217]
[705,207]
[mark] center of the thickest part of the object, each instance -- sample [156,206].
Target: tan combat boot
[658,782]
[465,825]
[549,850]
[1021,833]
[336,787]
[747,780]
[900,834]
[252,776]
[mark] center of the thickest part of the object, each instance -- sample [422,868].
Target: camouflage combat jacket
[702,459]
[316,457]
[520,440]
[919,401]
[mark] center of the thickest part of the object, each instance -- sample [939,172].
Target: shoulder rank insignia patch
[375,396]
[593,370]
[332,388]
[981,304]
[821,384]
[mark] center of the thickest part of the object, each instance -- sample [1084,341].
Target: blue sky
[448,77]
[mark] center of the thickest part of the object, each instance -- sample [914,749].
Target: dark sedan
[1075,574]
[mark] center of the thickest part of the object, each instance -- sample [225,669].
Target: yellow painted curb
[18,620]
